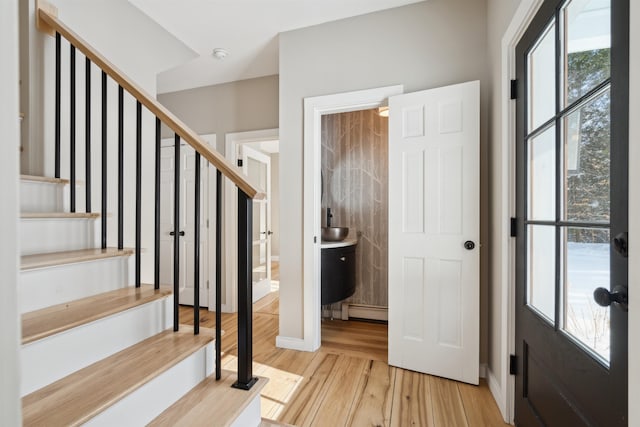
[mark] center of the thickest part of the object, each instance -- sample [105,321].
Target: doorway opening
[257,153]
[354,182]
[314,110]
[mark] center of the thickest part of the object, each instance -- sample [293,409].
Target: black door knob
[618,297]
[469,245]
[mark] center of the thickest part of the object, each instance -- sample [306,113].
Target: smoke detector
[220,53]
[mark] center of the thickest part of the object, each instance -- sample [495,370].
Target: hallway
[348,382]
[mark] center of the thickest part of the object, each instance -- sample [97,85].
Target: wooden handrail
[49,23]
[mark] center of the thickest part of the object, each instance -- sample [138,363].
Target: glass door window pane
[586,47]
[586,254]
[542,93]
[541,269]
[259,262]
[542,176]
[587,172]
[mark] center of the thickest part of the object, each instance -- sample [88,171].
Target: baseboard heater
[358,311]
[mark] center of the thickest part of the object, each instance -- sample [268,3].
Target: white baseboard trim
[226,308]
[360,311]
[336,314]
[482,372]
[496,391]
[292,343]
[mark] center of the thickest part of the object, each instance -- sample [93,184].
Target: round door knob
[469,245]
[618,297]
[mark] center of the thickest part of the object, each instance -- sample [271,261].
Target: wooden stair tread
[52,320]
[47,179]
[210,400]
[28,262]
[59,215]
[75,399]
[271,423]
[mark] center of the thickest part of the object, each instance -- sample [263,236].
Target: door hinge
[315,239]
[514,89]
[207,284]
[513,364]
[513,232]
[239,163]
[207,223]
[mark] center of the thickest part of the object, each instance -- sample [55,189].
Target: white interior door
[257,166]
[434,252]
[187,223]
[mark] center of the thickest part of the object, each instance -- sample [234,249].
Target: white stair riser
[49,359]
[56,235]
[146,403]
[38,196]
[250,417]
[44,287]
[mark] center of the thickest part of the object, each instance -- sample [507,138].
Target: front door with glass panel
[572,120]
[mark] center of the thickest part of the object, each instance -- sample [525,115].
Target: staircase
[98,351]
[99,346]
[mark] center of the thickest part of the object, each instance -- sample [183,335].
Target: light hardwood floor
[348,382]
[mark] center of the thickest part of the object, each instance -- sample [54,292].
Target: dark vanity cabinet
[338,273]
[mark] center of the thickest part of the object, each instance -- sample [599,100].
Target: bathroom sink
[334,234]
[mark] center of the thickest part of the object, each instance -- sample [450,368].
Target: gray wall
[499,15]
[355,169]
[422,46]
[238,106]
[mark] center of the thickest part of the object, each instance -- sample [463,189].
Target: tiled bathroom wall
[354,171]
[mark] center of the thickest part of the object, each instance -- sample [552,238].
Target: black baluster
[103,207]
[138,189]
[72,125]
[245,322]
[176,234]
[87,133]
[196,251]
[156,246]
[120,168]
[218,274]
[57,107]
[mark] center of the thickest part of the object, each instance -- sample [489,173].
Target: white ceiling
[248,29]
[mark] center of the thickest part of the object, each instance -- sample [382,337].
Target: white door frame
[230,253]
[314,109]
[504,391]
[210,210]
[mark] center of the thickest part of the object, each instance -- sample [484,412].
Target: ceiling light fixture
[220,53]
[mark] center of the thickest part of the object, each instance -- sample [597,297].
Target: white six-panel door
[434,186]
[187,224]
